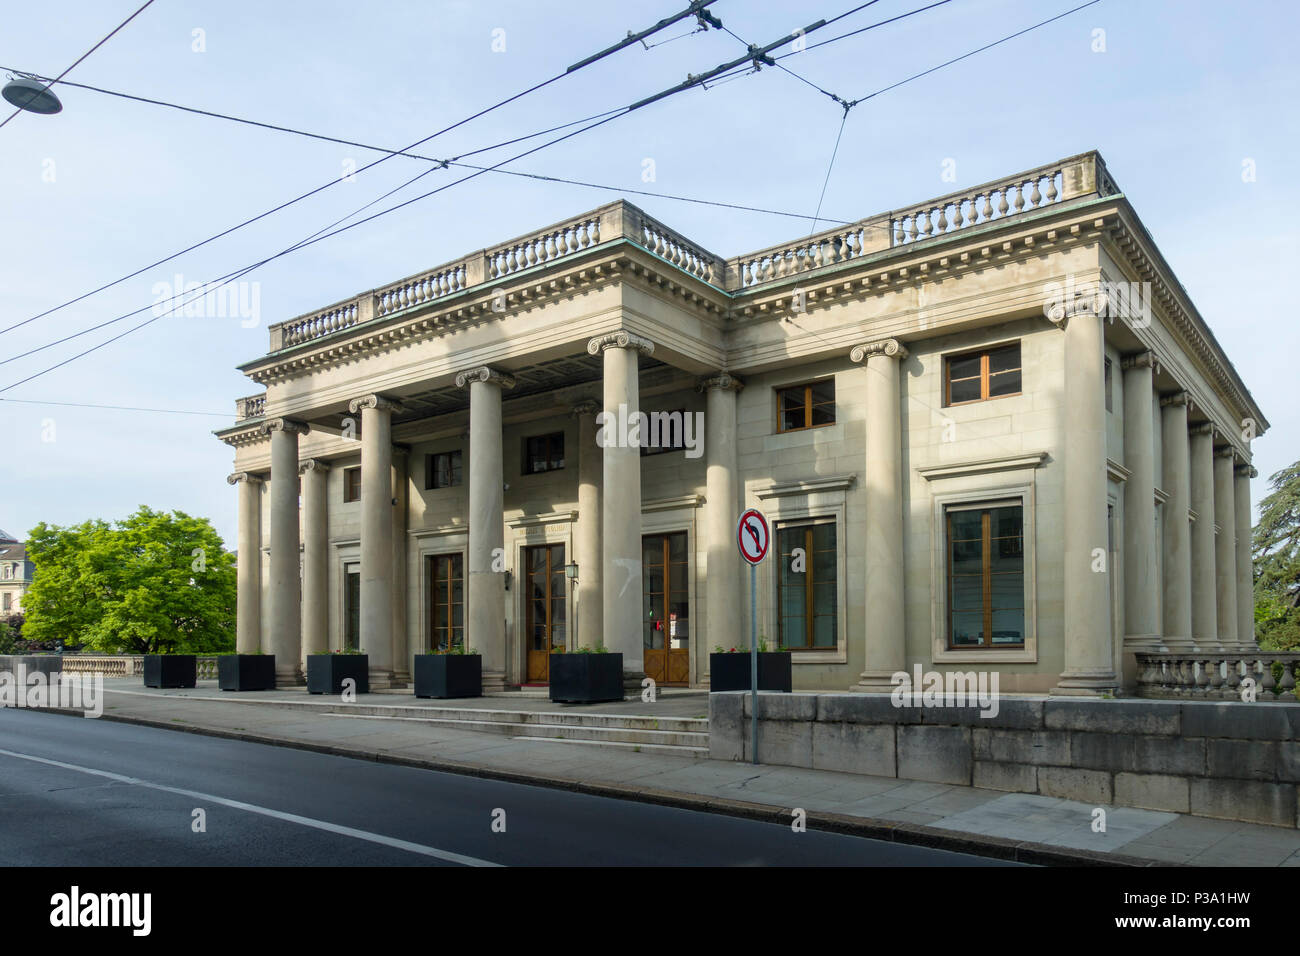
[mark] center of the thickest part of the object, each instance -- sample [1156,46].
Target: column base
[1145,644]
[876,682]
[1092,684]
[381,679]
[290,678]
[632,682]
[494,682]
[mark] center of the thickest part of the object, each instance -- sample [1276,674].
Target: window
[805,406]
[807,586]
[447,626]
[443,470]
[543,453]
[665,432]
[8,599]
[351,484]
[978,376]
[352,606]
[986,577]
[1107,386]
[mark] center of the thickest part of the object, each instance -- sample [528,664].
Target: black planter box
[586,678]
[732,671]
[448,675]
[170,670]
[327,672]
[246,672]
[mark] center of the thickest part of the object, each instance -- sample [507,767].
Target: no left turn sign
[752,536]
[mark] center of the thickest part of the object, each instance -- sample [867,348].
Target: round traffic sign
[752,536]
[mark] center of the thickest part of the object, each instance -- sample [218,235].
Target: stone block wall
[1234,761]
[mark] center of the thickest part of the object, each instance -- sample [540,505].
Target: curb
[890,831]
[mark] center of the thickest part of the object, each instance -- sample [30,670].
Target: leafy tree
[153,583]
[1276,553]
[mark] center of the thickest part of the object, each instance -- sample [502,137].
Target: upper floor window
[666,432]
[543,453]
[443,470]
[806,406]
[351,484]
[1107,379]
[986,576]
[978,376]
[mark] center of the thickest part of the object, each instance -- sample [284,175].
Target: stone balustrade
[1068,179]
[125,665]
[251,406]
[1218,675]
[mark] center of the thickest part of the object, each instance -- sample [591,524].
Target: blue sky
[1183,94]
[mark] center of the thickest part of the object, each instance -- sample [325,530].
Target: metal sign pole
[753,660]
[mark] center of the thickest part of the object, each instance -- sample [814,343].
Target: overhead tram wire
[118,408]
[692,10]
[83,56]
[692,81]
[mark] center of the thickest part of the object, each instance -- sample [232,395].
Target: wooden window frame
[810,582]
[347,484]
[983,354]
[986,575]
[807,405]
[431,470]
[550,438]
[446,600]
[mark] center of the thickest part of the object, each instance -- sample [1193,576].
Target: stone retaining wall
[1235,761]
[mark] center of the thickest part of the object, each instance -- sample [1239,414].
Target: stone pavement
[1016,826]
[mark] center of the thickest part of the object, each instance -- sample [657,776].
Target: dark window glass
[807,586]
[351,484]
[443,470]
[976,376]
[543,453]
[986,577]
[806,406]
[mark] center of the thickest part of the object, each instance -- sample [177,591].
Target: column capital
[888,347]
[290,425]
[1176,398]
[483,373]
[587,406]
[313,464]
[1085,302]
[1202,428]
[1142,359]
[239,476]
[376,400]
[1225,451]
[620,340]
[1246,471]
[722,381]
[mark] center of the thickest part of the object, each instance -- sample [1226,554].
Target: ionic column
[1089,657]
[1176,529]
[248,600]
[724,583]
[1205,620]
[285,632]
[589,613]
[885,652]
[402,662]
[1141,629]
[1244,561]
[621,502]
[485,588]
[377,535]
[314,475]
[1225,548]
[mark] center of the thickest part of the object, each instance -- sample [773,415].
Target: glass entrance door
[544,594]
[666,610]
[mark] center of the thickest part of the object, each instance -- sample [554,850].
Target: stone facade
[1118,453]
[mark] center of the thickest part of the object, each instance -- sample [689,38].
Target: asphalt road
[78,792]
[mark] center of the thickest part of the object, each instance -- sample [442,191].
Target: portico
[956,470]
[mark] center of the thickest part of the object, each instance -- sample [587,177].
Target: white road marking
[379,838]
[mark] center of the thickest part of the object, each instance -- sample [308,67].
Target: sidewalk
[1022,827]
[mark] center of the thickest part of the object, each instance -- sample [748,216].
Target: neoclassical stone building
[991,432]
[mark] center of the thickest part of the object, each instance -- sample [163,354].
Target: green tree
[1276,551]
[153,583]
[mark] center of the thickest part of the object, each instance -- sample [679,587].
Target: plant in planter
[586,675]
[327,672]
[251,671]
[170,670]
[730,669]
[449,672]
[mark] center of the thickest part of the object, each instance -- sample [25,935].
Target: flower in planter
[345,650]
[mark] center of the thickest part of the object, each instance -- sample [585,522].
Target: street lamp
[571,573]
[31,94]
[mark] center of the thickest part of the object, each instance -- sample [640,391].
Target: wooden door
[447,601]
[545,613]
[665,574]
